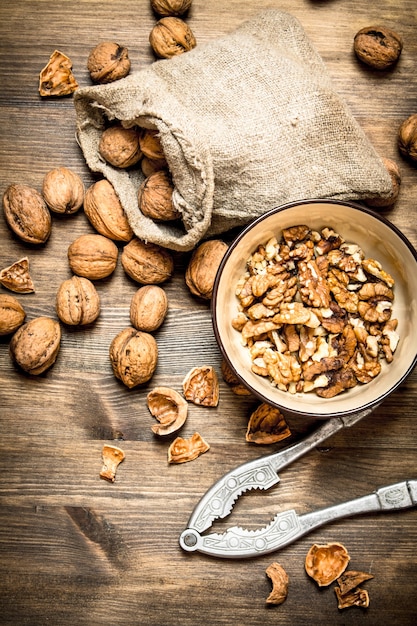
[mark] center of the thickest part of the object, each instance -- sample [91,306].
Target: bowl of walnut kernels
[315,308]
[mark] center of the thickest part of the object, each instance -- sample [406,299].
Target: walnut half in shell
[169,408]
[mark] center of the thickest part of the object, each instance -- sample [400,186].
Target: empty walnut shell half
[267,425]
[378,46]
[202,267]
[112,457]
[56,78]
[93,256]
[17,277]
[184,450]
[120,147]
[133,356]
[280,580]
[169,408]
[147,263]
[201,386]
[77,301]
[325,563]
[407,137]
[35,345]
[105,211]
[26,213]
[12,314]
[170,37]
[63,190]
[108,62]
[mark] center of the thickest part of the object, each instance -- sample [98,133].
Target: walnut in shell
[147,263]
[325,563]
[63,190]
[169,408]
[184,450]
[155,197]
[120,147]
[35,345]
[171,36]
[134,357]
[170,7]
[148,308]
[17,277]
[378,46]
[77,301]
[395,174]
[108,62]
[202,267]
[26,213]
[56,78]
[93,256]
[105,211]
[149,166]
[407,137]
[12,314]
[201,386]
[280,580]
[150,144]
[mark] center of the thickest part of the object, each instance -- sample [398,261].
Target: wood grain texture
[76,550]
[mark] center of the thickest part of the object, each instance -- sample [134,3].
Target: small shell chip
[183,450]
[112,457]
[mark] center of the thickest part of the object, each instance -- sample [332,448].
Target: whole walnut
[12,314]
[407,137]
[120,146]
[133,356]
[148,308]
[63,190]
[171,7]
[395,174]
[171,36]
[155,197]
[378,46]
[77,301]
[105,212]
[26,213]
[202,267]
[150,144]
[108,62]
[147,262]
[149,166]
[35,345]
[93,256]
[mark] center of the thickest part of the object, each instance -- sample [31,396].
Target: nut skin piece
[120,146]
[170,37]
[63,190]
[56,78]
[202,267]
[325,563]
[134,357]
[378,46]
[26,213]
[77,302]
[12,314]
[108,62]
[169,408]
[112,457]
[17,278]
[184,450]
[170,7]
[280,580]
[147,263]
[148,308]
[35,345]
[105,212]
[93,256]
[201,386]
[155,197]
[407,137]
[395,174]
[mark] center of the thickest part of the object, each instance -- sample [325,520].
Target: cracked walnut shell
[280,580]
[184,450]
[119,146]
[267,425]
[171,36]
[56,78]
[147,263]
[133,356]
[169,408]
[12,314]
[17,278]
[63,190]
[108,62]
[378,46]
[77,301]
[93,256]
[148,308]
[105,211]
[201,386]
[35,345]
[26,213]
[325,563]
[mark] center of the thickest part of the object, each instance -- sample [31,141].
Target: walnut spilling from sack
[315,313]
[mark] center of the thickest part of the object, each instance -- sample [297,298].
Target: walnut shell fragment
[35,345]
[184,450]
[280,580]
[56,78]
[325,563]
[112,457]
[133,356]
[201,386]
[77,301]
[108,62]
[17,278]
[12,314]
[169,408]
[267,425]
[233,381]
[378,46]
[355,597]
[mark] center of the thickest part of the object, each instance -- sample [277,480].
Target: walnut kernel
[133,356]
[35,345]
[56,78]
[26,213]
[63,190]
[119,146]
[148,308]
[201,386]
[93,256]
[171,36]
[407,137]
[12,314]
[77,301]
[267,425]
[378,46]
[147,263]
[108,62]
[17,278]
[105,211]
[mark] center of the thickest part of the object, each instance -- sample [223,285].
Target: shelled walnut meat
[105,211]
[267,425]
[280,581]
[77,301]
[107,62]
[148,308]
[17,278]
[170,37]
[202,268]
[35,345]
[26,213]
[93,256]
[119,146]
[133,357]
[146,262]
[378,46]
[63,190]
[12,314]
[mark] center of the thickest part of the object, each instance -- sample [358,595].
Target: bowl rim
[370,405]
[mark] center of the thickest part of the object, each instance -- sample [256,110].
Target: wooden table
[78,550]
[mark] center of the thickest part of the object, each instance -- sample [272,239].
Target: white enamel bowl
[380,240]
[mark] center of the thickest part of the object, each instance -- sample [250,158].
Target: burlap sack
[248,122]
